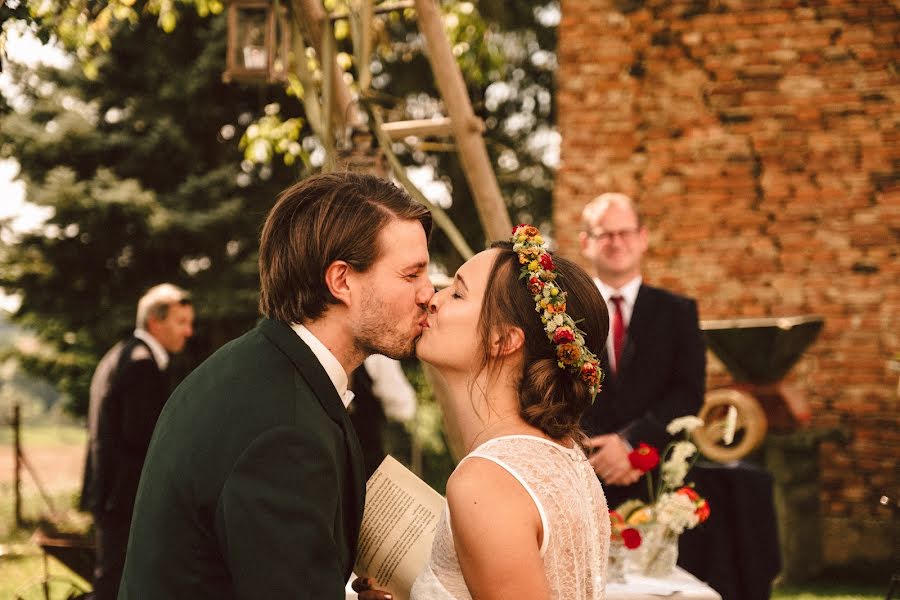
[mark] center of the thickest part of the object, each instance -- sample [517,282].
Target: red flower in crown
[590,374]
[644,457]
[535,285]
[547,262]
[563,335]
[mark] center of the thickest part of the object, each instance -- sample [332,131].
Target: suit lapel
[314,374]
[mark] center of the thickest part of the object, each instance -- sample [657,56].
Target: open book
[399,522]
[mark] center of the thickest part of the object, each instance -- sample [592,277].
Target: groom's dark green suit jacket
[253,485]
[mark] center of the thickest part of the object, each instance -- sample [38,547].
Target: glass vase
[660,552]
[615,569]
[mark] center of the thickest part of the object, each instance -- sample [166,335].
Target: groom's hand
[610,460]
[363,587]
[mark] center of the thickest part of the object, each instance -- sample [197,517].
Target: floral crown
[538,269]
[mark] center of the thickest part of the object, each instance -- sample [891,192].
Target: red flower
[547,262]
[535,285]
[631,537]
[644,457]
[690,493]
[703,510]
[589,374]
[563,335]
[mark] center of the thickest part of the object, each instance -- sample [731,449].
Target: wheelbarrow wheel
[734,424]
[54,588]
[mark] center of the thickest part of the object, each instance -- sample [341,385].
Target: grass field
[57,454]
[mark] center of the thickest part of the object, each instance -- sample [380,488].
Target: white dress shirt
[390,386]
[629,293]
[329,362]
[160,356]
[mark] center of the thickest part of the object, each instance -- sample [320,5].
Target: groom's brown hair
[316,221]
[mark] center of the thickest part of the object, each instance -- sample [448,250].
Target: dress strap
[545,523]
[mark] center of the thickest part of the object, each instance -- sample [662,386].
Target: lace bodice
[573,513]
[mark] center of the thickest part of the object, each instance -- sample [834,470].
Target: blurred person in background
[128,391]
[655,358]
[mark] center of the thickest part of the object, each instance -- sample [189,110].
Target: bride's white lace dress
[573,513]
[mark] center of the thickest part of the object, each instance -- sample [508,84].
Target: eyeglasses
[626,235]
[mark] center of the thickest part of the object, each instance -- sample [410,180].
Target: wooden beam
[419,128]
[467,128]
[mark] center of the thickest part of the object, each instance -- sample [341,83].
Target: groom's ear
[506,342]
[336,279]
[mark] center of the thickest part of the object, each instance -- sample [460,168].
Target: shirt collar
[329,362]
[629,291]
[160,356]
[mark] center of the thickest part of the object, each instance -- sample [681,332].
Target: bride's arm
[497,533]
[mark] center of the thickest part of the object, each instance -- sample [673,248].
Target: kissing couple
[253,486]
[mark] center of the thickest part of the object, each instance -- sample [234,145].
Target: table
[680,585]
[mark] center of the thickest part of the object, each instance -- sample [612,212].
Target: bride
[526,516]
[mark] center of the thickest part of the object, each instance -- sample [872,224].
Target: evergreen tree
[142,171]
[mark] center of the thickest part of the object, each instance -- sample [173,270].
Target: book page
[399,523]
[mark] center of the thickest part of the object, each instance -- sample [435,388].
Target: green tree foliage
[141,167]
[136,150]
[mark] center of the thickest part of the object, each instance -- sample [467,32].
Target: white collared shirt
[329,362]
[390,386]
[160,356]
[629,293]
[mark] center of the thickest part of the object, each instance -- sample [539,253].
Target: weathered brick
[767,172]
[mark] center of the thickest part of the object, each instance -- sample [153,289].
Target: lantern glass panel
[251,47]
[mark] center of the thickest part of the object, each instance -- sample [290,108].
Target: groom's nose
[425,296]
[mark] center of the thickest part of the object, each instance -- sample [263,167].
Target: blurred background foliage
[146,164]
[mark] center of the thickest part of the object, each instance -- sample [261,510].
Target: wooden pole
[313,16]
[17,473]
[467,128]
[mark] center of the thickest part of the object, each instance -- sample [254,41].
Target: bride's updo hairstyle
[550,398]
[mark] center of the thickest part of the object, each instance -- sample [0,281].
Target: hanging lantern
[257,42]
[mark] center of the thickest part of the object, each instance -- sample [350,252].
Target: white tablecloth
[681,585]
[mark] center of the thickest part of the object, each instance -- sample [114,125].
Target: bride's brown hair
[550,398]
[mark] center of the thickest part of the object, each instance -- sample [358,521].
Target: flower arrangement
[672,503]
[621,532]
[550,301]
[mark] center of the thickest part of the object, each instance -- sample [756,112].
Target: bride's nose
[433,304]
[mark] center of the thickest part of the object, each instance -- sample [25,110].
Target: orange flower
[568,353]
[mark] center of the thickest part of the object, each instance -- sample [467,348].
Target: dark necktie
[618,330]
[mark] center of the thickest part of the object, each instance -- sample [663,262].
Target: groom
[254,482]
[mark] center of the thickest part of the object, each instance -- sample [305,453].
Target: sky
[23,48]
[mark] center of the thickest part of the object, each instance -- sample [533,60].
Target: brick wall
[760,138]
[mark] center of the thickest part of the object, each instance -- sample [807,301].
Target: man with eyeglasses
[655,363]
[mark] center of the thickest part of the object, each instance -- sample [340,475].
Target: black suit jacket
[128,392]
[662,375]
[254,483]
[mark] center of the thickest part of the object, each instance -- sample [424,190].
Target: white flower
[675,468]
[677,512]
[688,424]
